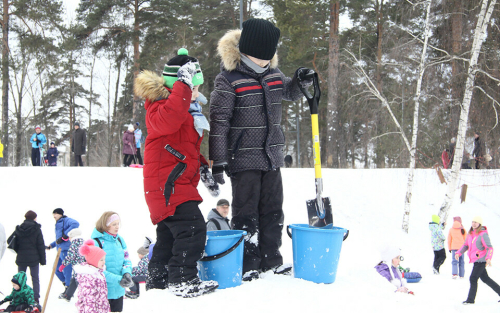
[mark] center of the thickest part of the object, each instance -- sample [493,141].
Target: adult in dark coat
[30,249]
[246,139]
[78,144]
[129,147]
[479,150]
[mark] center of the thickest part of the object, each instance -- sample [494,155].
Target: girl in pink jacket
[92,288]
[480,253]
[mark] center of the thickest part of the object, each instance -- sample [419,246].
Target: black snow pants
[439,257]
[116,305]
[257,208]
[35,279]
[180,242]
[479,271]
[35,156]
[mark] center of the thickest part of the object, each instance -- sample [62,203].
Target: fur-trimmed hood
[229,51]
[149,85]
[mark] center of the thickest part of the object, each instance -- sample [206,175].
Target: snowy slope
[367,202]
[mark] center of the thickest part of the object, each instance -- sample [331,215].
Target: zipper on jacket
[267,127]
[237,144]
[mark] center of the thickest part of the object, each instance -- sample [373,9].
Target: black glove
[48,247]
[218,172]
[62,239]
[126,281]
[2,302]
[301,73]
[209,181]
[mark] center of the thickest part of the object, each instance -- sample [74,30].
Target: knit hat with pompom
[91,253]
[174,64]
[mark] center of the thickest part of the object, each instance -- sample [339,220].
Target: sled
[319,209]
[136,165]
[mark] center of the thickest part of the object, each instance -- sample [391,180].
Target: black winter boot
[157,278]
[193,288]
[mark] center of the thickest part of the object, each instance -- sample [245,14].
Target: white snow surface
[367,202]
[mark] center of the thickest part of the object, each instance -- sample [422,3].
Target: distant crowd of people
[479,159]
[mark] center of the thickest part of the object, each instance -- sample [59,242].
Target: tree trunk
[380,156]
[137,101]
[5,82]
[479,37]
[89,132]
[332,115]
[456,46]
[115,107]
[418,93]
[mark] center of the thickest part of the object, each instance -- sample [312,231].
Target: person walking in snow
[129,146]
[64,225]
[452,150]
[389,269]
[52,155]
[78,144]
[30,249]
[72,258]
[21,297]
[118,266]
[456,239]
[37,141]
[92,287]
[479,150]
[480,253]
[173,166]
[217,218]
[246,139]
[437,240]
[140,272]
[138,138]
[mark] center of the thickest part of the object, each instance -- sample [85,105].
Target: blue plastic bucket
[224,258]
[316,251]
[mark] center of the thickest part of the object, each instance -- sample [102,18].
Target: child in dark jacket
[22,296]
[140,272]
[246,139]
[52,155]
[72,258]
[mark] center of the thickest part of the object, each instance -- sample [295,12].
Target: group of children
[101,283]
[476,242]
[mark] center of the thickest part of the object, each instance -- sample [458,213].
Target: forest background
[56,73]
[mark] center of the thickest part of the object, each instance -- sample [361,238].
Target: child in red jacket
[172,166]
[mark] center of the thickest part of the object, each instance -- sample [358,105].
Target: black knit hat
[58,211]
[222,202]
[77,124]
[15,281]
[30,215]
[259,39]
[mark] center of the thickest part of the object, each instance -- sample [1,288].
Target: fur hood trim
[87,269]
[229,51]
[149,85]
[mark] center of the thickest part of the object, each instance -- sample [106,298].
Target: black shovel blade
[315,218]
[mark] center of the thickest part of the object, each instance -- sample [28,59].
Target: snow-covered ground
[367,202]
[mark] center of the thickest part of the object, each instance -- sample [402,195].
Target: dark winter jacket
[30,245]
[74,257]
[216,221]
[63,226]
[79,142]
[142,268]
[129,143]
[22,296]
[52,159]
[452,153]
[478,151]
[172,156]
[245,111]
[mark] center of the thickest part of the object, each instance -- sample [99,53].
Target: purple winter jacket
[129,143]
[398,281]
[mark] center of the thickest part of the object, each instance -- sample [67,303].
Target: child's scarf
[200,121]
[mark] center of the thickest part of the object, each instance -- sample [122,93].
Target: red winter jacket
[172,156]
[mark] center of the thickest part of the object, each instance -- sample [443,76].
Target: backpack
[216,223]
[100,243]
[143,139]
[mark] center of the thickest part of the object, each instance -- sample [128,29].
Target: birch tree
[418,93]
[487,7]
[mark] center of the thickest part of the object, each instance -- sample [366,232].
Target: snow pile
[367,202]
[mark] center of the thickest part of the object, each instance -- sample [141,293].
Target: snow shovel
[319,209]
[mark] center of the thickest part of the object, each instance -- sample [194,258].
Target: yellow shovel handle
[315,138]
